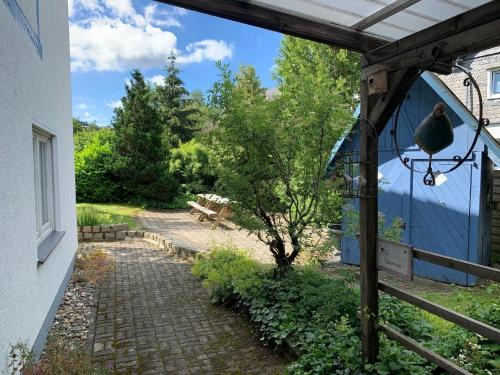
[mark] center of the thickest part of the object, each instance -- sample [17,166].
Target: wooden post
[368,228]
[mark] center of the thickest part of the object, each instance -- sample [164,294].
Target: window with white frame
[44,183]
[494,83]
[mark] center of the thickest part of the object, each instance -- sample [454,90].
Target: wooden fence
[466,322]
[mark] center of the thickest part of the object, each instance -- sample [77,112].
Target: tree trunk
[283,263]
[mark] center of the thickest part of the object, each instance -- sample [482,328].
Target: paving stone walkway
[184,229]
[154,317]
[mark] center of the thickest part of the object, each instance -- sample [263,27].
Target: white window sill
[48,245]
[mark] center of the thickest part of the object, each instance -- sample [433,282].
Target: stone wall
[104,232]
[171,247]
[119,232]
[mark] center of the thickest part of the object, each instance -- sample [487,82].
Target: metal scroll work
[429,178]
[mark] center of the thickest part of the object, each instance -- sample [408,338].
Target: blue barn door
[440,218]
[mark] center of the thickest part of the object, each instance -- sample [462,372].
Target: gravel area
[72,320]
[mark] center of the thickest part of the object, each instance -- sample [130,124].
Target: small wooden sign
[396,258]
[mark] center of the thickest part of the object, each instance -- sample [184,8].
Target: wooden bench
[204,210]
[210,207]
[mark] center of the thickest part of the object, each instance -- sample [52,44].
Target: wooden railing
[466,322]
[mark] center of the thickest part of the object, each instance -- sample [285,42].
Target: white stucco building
[37,195]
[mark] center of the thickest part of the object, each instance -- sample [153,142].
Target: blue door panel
[440,219]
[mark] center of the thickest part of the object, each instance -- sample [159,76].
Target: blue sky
[111,37]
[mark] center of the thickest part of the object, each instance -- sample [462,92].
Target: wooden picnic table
[211,206]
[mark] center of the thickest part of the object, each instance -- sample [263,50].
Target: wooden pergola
[396,38]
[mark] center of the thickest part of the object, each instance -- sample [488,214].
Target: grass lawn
[110,213]
[461,297]
[460,300]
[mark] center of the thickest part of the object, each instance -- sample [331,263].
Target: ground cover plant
[318,315]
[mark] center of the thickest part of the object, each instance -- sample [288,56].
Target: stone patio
[184,229]
[154,317]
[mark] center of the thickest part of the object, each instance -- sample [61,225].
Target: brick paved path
[154,317]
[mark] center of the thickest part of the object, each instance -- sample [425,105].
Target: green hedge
[94,164]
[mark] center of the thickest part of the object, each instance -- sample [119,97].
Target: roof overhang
[284,21]
[394,34]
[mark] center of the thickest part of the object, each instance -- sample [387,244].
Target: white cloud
[82,106]
[91,118]
[120,8]
[114,104]
[90,5]
[111,44]
[87,116]
[110,35]
[162,18]
[208,49]
[156,80]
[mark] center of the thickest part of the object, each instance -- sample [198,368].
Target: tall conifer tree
[141,153]
[176,113]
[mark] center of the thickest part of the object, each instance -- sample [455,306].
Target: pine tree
[176,113]
[141,165]
[248,83]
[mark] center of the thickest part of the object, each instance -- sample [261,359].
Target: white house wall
[33,89]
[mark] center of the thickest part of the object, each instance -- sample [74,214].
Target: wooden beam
[414,346]
[368,223]
[280,21]
[466,322]
[399,84]
[375,112]
[468,32]
[457,264]
[383,14]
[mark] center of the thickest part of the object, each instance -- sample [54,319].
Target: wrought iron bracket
[429,177]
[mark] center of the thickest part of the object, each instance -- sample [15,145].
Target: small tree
[175,109]
[141,153]
[272,154]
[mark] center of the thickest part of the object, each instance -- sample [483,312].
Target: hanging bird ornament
[435,132]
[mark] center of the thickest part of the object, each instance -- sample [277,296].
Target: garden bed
[318,315]
[72,320]
[66,350]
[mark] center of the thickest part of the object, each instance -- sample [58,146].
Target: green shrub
[190,166]
[229,273]
[94,164]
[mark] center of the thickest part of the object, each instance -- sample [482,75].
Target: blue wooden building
[451,218]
